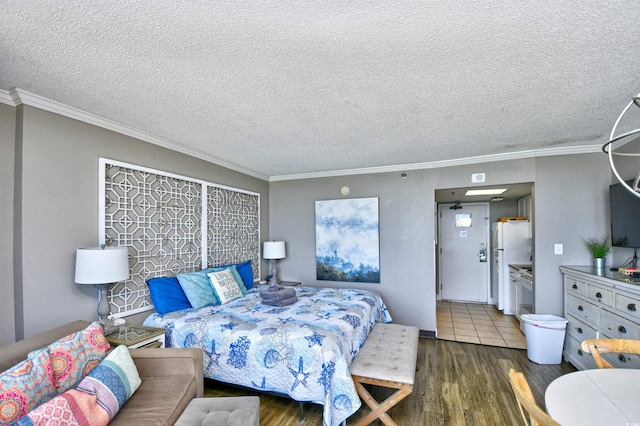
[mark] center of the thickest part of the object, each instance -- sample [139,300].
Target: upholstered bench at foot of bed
[222,411]
[387,358]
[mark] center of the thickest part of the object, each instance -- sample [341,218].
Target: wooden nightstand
[137,336]
[290,283]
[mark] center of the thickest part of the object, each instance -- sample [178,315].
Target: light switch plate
[558,248]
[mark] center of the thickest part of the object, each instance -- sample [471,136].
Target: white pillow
[224,285]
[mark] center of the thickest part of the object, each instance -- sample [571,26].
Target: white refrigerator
[511,244]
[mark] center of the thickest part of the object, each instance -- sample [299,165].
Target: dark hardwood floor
[456,384]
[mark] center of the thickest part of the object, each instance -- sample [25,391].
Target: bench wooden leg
[379,410]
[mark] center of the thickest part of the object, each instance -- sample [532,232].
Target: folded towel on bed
[282,294]
[283,302]
[274,287]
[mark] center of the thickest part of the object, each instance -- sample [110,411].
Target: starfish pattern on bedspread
[300,376]
[315,339]
[229,325]
[212,355]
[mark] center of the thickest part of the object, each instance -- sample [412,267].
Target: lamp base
[104,310]
[272,269]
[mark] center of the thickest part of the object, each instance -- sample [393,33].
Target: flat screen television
[625,216]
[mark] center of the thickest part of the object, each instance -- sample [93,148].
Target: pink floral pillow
[75,355]
[25,386]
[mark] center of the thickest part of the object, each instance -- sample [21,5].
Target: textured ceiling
[293,87]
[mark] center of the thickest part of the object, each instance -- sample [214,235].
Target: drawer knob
[580,352]
[622,358]
[579,330]
[575,287]
[631,307]
[599,295]
[580,308]
[621,329]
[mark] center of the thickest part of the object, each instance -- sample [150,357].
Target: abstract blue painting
[347,240]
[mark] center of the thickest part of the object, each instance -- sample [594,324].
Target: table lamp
[102,266]
[273,250]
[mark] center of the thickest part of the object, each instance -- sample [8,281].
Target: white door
[464,252]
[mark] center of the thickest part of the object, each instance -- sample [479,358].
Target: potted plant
[599,248]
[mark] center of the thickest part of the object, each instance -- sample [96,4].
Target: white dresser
[599,304]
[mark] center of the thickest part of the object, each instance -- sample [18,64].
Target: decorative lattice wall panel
[159,217]
[233,227]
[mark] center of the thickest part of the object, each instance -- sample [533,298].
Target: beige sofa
[171,377]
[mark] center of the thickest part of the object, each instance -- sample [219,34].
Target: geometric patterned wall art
[233,227]
[172,224]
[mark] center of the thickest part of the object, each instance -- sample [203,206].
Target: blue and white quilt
[303,350]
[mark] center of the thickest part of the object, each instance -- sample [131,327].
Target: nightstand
[137,336]
[290,283]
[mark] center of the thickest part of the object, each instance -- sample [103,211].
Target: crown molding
[17,97]
[5,98]
[571,150]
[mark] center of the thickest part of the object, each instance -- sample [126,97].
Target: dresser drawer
[580,330]
[628,305]
[618,327]
[574,353]
[600,295]
[575,286]
[623,360]
[582,309]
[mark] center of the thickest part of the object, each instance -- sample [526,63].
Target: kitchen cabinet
[525,209]
[522,291]
[599,304]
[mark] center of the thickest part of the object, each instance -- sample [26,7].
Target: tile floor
[478,323]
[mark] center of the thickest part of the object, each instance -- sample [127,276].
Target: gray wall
[56,178]
[570,202]
[7,155]
[59,175]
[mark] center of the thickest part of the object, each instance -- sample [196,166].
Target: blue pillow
[197,288]
[167,294]
[245,272]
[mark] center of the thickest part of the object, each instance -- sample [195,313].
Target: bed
[302,350]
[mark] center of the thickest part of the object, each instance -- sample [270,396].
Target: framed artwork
[348,240]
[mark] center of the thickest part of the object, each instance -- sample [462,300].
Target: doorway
[465,321]
[463,259]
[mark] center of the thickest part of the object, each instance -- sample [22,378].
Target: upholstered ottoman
[224,411]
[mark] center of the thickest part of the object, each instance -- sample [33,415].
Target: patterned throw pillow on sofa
[75,355]
[96,400]
[25,386]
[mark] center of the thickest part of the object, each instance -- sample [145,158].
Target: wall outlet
[558,249]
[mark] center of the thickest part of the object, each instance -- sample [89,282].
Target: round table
[609,396]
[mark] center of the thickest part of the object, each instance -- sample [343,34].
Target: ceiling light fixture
[622,140]
[495,191]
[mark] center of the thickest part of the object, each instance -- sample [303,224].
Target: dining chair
[527,403]
[597,346]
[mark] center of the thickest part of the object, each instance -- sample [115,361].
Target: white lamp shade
[96,265]
[274,250]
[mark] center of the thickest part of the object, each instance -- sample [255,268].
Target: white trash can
[545,337]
